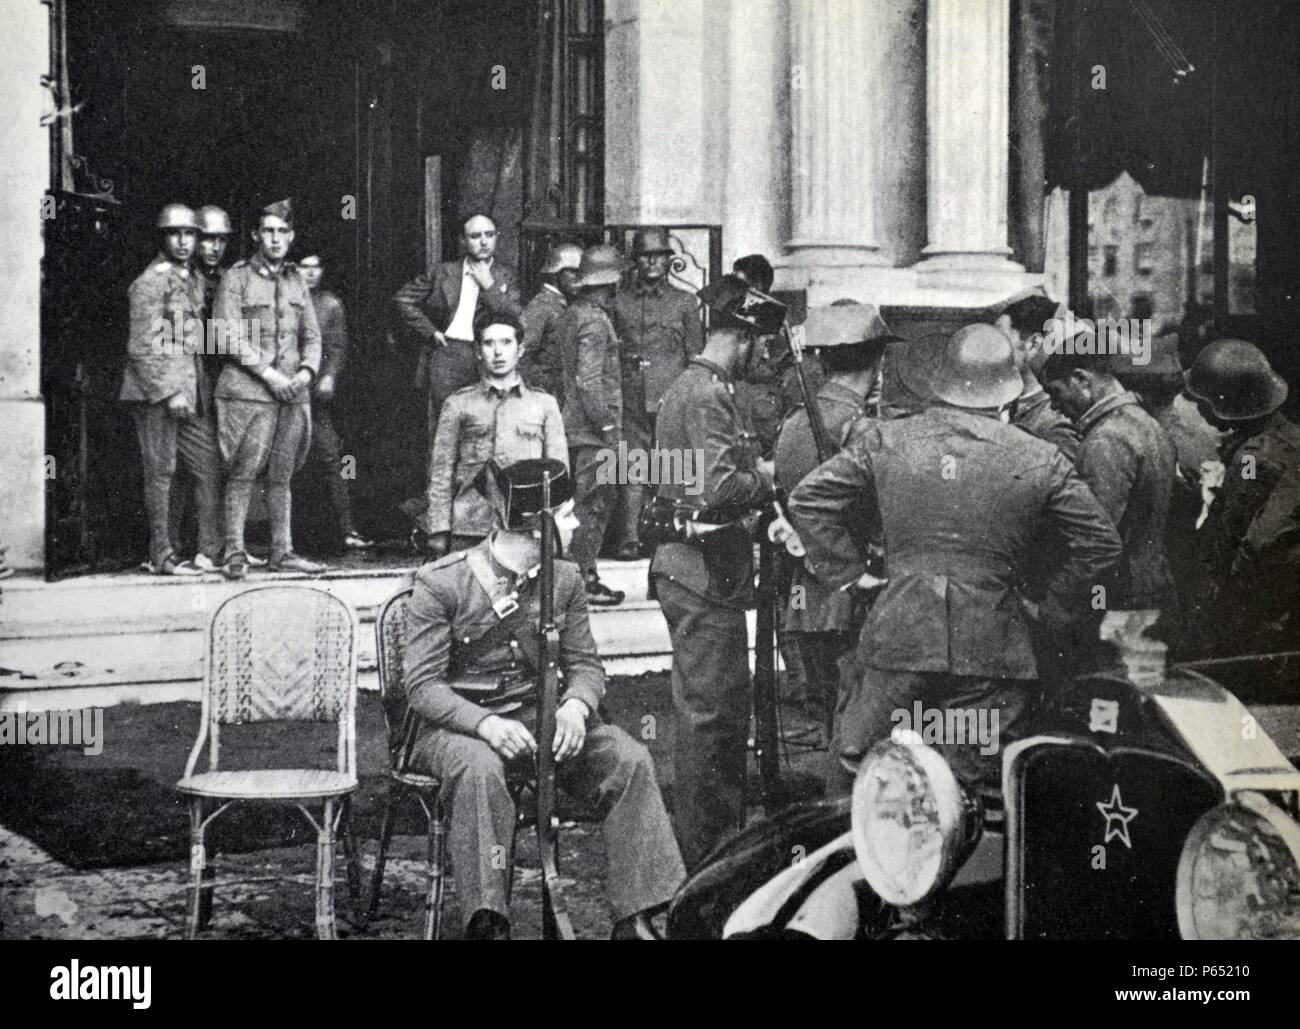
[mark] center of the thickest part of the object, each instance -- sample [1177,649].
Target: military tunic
[482,423]
[449,660]
[960,498]
[703,588]
[164,359]
[1036,415]
[659,331]
[542,365]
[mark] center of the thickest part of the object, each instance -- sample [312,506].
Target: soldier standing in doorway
[659,331]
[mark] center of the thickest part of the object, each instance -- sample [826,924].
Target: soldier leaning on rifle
[659,330]
[166,389]
[326,448]
[500,418]
[263,396]
[471,674]
[704,582]
[1248,593]
[824,622]
[1023,321]
[960,496]
[593,408]
[542,364]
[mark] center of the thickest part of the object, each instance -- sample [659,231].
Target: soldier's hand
[301,380]
[179,407]
[510,739]
[481,273]
[437,544]
[570,729]
[325,387]
[280,385]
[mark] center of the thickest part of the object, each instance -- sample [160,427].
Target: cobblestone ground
[42,897]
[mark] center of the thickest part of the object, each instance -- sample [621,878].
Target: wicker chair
[402,724]
[277,653]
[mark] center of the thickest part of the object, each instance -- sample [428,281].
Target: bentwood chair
[277,654]
[402,723]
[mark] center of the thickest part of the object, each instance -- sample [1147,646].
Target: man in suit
[165,388]
[960,496]
[264,397]
[439,311]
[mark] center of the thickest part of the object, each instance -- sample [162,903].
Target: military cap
[282,209]
[601,265]
[516,490]
[973,368]
[310,260]
[177,216]
[732,303]
[1235,381]
[213,221]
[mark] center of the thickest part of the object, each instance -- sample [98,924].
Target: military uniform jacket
[593,389]
[813,606]
[659,329]
[699,416]
[1128,461]
[333,325]
[163,361]
[960,497]
[481,423]
[1255,464]
[1036,415]
[449,613]
[542,366]
[287,336]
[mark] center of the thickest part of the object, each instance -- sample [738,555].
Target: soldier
[501,419]
[1128,462]
[1024,320]
[326,449]
[659,331]
[850,342]
[263,398]
[166,390]
[705,581]
[214,238]
[439,311]
[1248,590]
[542,365]
[593,408]
[471,676]
[959,495]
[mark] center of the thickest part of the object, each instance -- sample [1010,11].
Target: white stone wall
[24,174]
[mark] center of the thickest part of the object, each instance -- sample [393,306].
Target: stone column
[24,174]
[968,87]
[834,101]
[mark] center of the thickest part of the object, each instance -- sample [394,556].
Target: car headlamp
[1239,873]
[912,823]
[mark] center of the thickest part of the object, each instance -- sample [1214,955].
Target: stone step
[137,638]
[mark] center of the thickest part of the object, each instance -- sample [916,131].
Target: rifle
[820,440]
[555,914]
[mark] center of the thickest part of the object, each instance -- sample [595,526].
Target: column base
[830,254]
[982,270]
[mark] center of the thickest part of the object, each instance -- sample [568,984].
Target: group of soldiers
[230,377]
[958,513]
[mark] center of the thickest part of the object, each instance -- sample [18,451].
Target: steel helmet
[177,216]
[566,255]
[976,368]
[1234,379]
[651,241]
[213,221]
[602,265]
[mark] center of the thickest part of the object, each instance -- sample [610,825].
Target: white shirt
[462,323]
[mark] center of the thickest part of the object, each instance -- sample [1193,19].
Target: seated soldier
[471,675]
